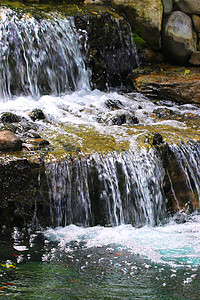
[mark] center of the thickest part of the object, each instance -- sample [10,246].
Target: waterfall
[110,189]
[135,188]
[187,170]
[39,54]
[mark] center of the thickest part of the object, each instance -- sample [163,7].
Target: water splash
[172,244]
[39,55]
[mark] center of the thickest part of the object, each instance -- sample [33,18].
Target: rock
[196,23]
[111,53]
[113,104]
[8,117]
[195,58]
[157,139]
[119,120]
[128,119]
[37,114]
[167,6]
[171,83]
[9,141]
[180,40]
[145,18]
[154,139]
[188,6]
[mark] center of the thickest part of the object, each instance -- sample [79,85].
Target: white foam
[173,244]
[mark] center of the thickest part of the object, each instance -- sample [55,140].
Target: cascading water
[188,156]
[39,55]
[107,189]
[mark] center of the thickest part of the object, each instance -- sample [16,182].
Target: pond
[102,262]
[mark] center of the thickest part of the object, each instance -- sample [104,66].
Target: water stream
[123,214]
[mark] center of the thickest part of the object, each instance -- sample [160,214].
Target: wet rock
[128,119]
[166,114]
[19,188]
[181,217]
[157,139]
[110,51]
[176,184]
[132,120]
[171,83]
[113,104]
[154,139]
[145,17]
[119,120]
[9,141]
[8,117]
[180,40]
[195,58]
[37,114]
[9,127]
[188,6]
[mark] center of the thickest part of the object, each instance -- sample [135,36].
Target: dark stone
[124,119]
[132,120]
[37,114]
[113,104]
[8,117]
[157,139]
[111,53]
[119,120]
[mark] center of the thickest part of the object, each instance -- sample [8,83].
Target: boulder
[145,18]
[9,141]
[188,6]
[180,40]
[167,6]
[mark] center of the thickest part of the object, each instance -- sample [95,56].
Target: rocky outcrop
[171,83]
[145,17]
[180,40]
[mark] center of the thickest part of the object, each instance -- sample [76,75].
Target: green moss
[139,41]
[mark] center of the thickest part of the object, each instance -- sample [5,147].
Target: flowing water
[108,191]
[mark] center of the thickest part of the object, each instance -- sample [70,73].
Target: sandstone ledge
[178,84]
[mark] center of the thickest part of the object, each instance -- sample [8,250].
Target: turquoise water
[101,262]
